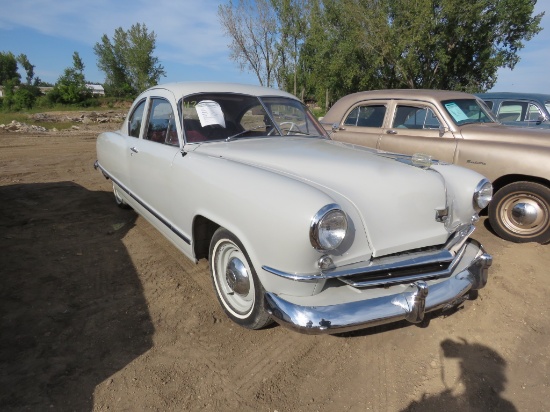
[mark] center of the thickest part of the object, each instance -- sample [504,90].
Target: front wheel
[237,286]
[520,212]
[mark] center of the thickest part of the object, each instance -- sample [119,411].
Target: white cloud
[187,31]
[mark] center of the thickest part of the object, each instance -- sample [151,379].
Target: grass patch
[6,118]
[56,125]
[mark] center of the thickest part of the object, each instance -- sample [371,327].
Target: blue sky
[190,43]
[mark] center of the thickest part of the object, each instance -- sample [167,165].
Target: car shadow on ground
[72,307]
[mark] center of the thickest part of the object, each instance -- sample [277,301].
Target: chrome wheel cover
[524,214]
[233,278]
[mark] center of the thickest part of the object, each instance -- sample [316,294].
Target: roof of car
[187,88]
[428,95]
[514,95]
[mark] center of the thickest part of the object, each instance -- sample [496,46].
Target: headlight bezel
[481,198]
[322,242]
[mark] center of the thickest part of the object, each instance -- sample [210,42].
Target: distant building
[96,89]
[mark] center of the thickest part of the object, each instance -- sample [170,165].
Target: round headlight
[328,228]
[483,194]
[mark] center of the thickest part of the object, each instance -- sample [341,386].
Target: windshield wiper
[243,132]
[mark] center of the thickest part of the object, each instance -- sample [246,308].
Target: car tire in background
[520,212]
[237,286]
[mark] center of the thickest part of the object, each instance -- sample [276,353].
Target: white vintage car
[320,236]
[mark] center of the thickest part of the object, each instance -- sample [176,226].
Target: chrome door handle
[391,132]
[134,149]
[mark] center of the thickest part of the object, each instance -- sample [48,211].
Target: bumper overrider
[465,268]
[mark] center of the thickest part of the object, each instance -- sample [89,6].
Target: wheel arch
[505,180]
[203,231]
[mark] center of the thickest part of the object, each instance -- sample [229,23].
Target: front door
[416,128]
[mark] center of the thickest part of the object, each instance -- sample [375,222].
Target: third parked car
[520,109]
[458,128]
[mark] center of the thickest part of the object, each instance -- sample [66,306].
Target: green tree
[71,85]
[331,62]
[128,61]
[9,92]
[25,97]
[292,18]
[27,66]
[8,68]
[436,44]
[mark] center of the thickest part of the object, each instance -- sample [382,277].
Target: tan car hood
[395,201]
[500,133]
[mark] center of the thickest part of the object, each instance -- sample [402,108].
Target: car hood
[509,134]
[395,202]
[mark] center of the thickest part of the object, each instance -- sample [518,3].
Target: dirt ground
[99,312]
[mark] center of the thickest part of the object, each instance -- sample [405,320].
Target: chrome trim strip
[411,278]
[449,253]
[151,211]
[409,305]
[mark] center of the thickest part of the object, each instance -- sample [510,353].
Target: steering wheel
[292,126]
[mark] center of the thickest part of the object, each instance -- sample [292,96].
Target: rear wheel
[237,286]
[520,212]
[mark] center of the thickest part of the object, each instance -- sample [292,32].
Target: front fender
[269,213]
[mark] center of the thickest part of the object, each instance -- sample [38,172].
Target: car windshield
[468,111]
[230,116]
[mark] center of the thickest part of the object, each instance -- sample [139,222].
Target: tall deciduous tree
[292,18]
[443,44]
[128,60]
[252,27]
[71,85]
[27,66]
[8,68]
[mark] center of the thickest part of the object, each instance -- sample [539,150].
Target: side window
[136,120]
[256,119]
[351,120]
[409,117]
[512,111]
[161,127]
[533,113]
[366,116]
[488,103]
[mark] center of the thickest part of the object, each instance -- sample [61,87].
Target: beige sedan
[458,128]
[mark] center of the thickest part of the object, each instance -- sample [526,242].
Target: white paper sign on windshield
[210,113]
[456,112]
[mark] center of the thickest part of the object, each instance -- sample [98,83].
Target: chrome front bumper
[411,305]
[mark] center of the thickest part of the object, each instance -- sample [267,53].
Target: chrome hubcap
[237,277]
[524,214]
